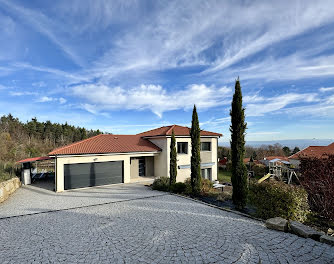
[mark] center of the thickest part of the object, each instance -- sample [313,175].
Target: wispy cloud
[42,24]
[278,102]
[150,97]
[2,87]
[45,99]
[326,89]
[23,93]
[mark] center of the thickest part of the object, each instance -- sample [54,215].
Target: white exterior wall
[183,159]
[211,156]
[61,161]
[161,163]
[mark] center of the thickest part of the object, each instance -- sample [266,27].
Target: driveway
[30,199]
[151,227]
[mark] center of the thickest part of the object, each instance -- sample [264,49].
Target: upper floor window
[205,146]
[182,147]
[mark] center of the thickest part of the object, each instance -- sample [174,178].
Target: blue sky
[129,66]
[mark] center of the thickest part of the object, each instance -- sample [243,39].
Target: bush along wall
[273,199]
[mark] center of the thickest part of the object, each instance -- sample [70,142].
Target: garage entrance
[82,175]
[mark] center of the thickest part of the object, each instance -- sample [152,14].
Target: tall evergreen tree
[172,161]
[238,128]
[195,154]
[287,151]
[295,150]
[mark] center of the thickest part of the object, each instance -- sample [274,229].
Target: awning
[34,159]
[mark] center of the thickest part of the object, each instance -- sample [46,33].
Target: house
[274,159]
[109,159]
[312,152]
[222,163]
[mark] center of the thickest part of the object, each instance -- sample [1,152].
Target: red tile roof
[314,151]
[178,130]
[105,143]
[124,143]
[34,159]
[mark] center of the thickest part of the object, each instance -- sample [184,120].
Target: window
[182,147]
[207,173]
[205,146]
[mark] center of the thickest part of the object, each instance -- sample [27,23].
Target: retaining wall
[8,187]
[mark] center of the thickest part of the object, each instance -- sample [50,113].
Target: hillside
[20,140]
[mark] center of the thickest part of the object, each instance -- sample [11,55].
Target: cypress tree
[237,129]
[195,154]
[172,161]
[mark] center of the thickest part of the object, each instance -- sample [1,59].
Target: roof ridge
[151,130]
[73,144]
[171,128]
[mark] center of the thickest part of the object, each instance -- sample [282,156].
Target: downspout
[56,174]
[217,172]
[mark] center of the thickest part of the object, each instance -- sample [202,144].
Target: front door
[142,167]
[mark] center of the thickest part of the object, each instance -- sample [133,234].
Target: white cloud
[44,25]
[150,97]
[39,84]
[279,102]
[253,98]
[45,99]
[326,89]
[18,93]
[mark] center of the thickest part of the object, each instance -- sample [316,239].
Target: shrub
[161,184]
[273,199]
[8,170]
[259,170]
[206,185]
[317,177]
[188,189]
[178,187]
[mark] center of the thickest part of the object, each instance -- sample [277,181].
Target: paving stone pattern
[161,229]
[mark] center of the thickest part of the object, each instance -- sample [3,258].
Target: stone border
[299,229]
[8,187]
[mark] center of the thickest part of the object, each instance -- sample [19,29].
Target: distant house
[222,163]
[248,160]
[274,159]
[312,152]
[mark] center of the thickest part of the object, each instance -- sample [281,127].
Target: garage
[82,175]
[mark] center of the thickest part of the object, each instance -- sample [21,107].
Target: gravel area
[160,229]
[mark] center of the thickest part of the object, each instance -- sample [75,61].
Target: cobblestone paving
[31,199]
[163,229]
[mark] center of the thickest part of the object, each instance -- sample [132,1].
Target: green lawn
[224,176]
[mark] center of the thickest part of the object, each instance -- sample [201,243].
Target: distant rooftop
[314,151]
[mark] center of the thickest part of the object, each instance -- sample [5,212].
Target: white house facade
[112,159]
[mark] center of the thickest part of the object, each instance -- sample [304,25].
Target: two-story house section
[162,138]
[113,159]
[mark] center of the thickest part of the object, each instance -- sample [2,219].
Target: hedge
[317,177]
[273,199]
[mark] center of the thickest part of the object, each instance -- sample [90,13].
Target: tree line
[258,153]
[19,140]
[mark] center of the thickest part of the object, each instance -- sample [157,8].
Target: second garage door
[92,174]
